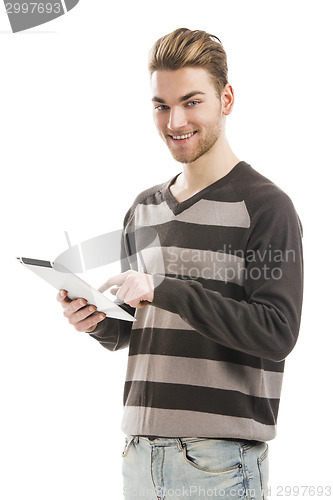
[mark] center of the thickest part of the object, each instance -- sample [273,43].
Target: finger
[89,322]
[124,290]
[63,299]
[115,290]
[73,305]
[104,287]
[119,279]
[62,295]
[125,293]
[142,303]
[79,315]
[134,294]
[137,304]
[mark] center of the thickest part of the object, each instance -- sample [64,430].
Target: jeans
[196,468]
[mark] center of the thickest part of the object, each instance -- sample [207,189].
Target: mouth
[182,138]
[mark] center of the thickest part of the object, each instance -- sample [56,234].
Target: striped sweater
[206,358]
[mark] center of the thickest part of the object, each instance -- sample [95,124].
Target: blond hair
[184,48]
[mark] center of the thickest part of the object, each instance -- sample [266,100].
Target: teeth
[186,136]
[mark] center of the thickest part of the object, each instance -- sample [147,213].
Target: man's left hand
[136,289]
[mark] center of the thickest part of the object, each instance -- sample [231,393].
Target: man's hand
[136,289]
[83,317]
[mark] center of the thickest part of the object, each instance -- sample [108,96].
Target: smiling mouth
[183,137]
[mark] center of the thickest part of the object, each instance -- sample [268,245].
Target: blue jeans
[194,468]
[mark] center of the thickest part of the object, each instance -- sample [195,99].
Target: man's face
[187,112]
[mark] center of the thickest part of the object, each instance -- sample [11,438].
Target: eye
[161,107]
[192,103]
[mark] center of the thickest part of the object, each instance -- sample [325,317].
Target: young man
[216,320]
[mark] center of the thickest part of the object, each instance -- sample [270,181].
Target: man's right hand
[83,317]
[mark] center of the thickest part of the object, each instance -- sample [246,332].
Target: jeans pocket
[263,465]
[128,442]
[213,456]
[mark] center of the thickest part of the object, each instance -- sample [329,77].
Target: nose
[177,118]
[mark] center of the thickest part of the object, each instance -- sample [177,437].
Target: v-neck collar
[178,207]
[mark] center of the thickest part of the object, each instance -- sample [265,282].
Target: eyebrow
[181,99]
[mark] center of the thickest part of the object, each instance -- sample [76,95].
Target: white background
[77,144]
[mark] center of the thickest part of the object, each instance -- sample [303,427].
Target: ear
[227,99]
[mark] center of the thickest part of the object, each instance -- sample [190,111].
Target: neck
[210,167]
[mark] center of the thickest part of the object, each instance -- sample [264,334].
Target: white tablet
[76,287]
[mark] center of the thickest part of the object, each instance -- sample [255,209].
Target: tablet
[76,287]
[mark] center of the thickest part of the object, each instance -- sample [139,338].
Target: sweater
[206,358]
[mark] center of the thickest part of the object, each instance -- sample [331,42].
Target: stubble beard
[204,145]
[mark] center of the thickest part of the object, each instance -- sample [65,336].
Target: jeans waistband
[159,441]
[179,442]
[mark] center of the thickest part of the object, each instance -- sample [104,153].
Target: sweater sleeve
[266,323]
[114,334]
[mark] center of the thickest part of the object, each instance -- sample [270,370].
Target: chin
[187,158]
[182,159]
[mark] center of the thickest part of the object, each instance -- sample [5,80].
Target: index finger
[119,279]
